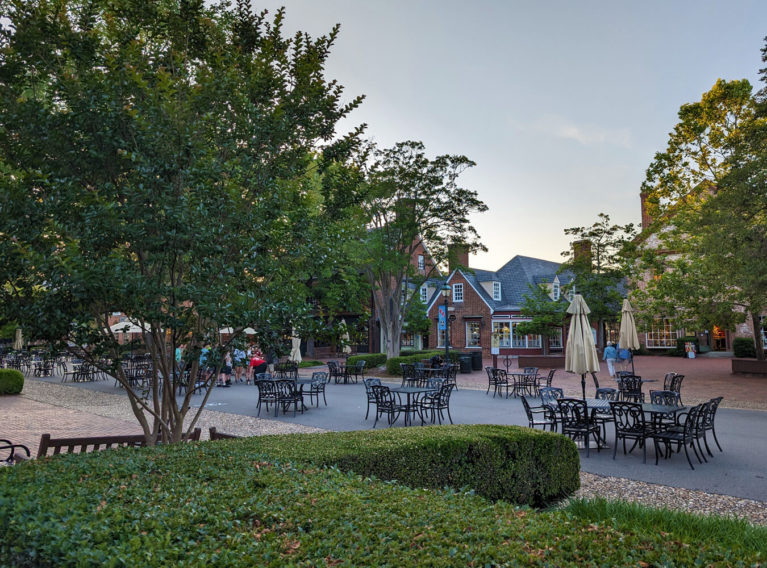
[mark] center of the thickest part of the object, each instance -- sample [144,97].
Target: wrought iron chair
[12,457]
[436,402]
[320,379]
[539,415]
[631,388]
[288,395]
[686,434]
[369,384]
[550,377]
[496,378]
[707,422]
[630,424]
[267,394]
[577,422]
[386,403]
[605,416]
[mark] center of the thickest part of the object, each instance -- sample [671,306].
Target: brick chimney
[582,250]
[458,255]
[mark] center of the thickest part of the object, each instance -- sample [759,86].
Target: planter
[542,361]
[749,366]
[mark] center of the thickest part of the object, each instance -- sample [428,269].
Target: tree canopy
[157,159]
[412,201]
[703,261]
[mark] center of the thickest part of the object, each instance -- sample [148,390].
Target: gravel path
[613,488]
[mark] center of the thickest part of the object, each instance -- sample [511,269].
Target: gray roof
[515,277]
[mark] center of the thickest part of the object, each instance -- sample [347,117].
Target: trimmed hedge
[372,360]
[519,465]
[11,381]
[393,368]
[223,504]
[743,347]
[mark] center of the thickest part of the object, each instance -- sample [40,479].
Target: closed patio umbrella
[129,327]
[295,351]
[581,354]
[628,338]
[345,338]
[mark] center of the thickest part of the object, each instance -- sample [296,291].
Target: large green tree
[547,316]
[702,261]
[597,265]
[412,200]
[155,160]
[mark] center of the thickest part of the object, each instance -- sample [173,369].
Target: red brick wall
[472,305]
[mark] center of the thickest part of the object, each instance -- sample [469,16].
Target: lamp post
[445,294]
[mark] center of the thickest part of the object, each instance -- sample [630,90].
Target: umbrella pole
[583,385]
[632,363]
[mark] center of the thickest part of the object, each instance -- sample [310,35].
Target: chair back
[528,410]
[676,383]
[286,388]
[713,406]
[572,411]
[665,398]
[667,380]
[266,388]
[434,383]
[606,393]
[628,416]
[630,387]
[264,377]
[550,378]
[383,396]
[444,394]
[320,377]
[550,395]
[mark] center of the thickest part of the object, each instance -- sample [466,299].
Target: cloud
[584,134]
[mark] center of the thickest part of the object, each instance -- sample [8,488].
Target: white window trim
[466,330]
[496,291]
[505,340]
[458,290]
[424,294]
[663,337]
[524,341]
[555,291]
[421,262]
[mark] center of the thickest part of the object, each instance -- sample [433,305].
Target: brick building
[483,303]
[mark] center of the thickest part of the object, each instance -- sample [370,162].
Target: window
[555,290]
[458,292]
[502,331]
[441,338]
[496,290]
[555,342]
[424,294]
[662,335]
[472,334]
[571,294]
[421,264]
[523,341]
[407,339]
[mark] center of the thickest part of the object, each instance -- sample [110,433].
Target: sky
[562,104]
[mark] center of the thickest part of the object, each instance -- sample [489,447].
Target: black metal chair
[496,378]
[685,434]
[676,385]
[605,416]
[577,422]
[708,422]
[539,415]
[320,379]
[335,372]
[12,457]
[386,403]
[630,424]
[409,375]
[263,377]
[450,372]
[288,395]
[357,372]
[436,402]
[369,384]
[267,394]
[550,378]
[664,398]
[631,388]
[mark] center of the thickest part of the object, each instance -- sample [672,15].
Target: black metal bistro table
[411,399]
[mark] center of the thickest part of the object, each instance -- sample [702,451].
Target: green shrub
[519,465]
[224,504]
[310,363]
[393,368]
[743,347]
[372,360]
[11,381]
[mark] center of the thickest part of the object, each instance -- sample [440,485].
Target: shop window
[473,334]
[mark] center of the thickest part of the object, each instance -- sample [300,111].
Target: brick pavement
[25,420]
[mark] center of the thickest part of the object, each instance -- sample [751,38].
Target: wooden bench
[54,446]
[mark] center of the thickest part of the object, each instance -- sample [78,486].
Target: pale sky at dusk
[562,104]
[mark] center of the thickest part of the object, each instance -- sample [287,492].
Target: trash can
[465,362]
[476,360]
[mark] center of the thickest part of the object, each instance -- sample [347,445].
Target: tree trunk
[758,346]
[545,344]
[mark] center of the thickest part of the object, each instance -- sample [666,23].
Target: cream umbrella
[628,338]
[18,342]
[295,351]
[581,355]
[345,338]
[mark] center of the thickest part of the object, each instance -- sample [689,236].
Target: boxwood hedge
[393,368]
[372,360]
[225,504]
[11,381]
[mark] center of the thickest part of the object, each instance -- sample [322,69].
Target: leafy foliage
[547,316]
[241,506]
[704,258]
[596,262]
[160,159]
[411,201]
[11,381]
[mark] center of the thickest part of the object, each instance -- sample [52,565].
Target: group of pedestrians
[245,364]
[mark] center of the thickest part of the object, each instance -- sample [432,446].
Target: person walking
[610,355]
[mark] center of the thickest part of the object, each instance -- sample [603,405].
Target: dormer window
[496,291]
[571,294]
[424,294]
[555,290]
